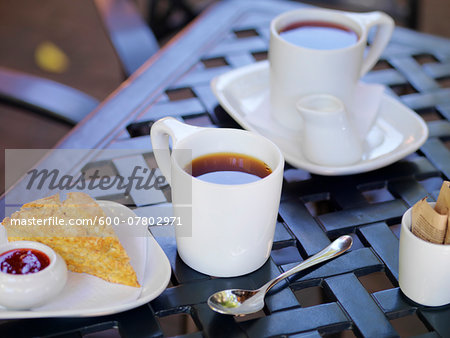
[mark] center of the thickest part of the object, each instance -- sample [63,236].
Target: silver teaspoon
[242,302]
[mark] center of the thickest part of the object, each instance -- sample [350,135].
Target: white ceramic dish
[244,94]
[85,295]
[29,290]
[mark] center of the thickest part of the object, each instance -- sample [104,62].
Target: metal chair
[133,41]
[404,12]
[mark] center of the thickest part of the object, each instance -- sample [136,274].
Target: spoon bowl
[230,301]
[240,302]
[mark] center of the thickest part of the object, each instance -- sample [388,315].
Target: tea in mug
[319,35]
[228,168]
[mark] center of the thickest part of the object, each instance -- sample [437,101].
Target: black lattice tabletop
[356,294]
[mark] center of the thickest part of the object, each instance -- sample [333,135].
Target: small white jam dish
[29,290]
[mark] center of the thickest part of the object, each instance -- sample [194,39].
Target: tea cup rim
[356,25]
[275,171]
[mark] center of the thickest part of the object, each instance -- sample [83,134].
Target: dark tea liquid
[319,35]
[228,168]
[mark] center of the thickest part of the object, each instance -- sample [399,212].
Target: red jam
[23,261]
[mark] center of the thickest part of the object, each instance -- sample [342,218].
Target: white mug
[225,230]
[424,267]
[296,71]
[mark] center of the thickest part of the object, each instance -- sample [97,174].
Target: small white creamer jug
[329,137]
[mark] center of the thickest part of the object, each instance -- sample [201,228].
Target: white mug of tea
[321,51]
[226,188]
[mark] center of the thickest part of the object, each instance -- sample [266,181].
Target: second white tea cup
[296,71]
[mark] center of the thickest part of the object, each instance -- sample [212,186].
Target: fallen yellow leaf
[51,58]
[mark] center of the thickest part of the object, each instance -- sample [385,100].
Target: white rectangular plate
[85,295]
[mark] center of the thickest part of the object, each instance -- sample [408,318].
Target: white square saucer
[85,295]
[244,94]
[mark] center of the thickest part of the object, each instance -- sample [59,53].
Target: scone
[86,247]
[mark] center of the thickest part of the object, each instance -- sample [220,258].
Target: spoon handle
[337,247]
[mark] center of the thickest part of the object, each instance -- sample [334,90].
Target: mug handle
[160,133]
[385,28]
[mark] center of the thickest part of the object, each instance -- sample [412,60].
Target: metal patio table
[356,294]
